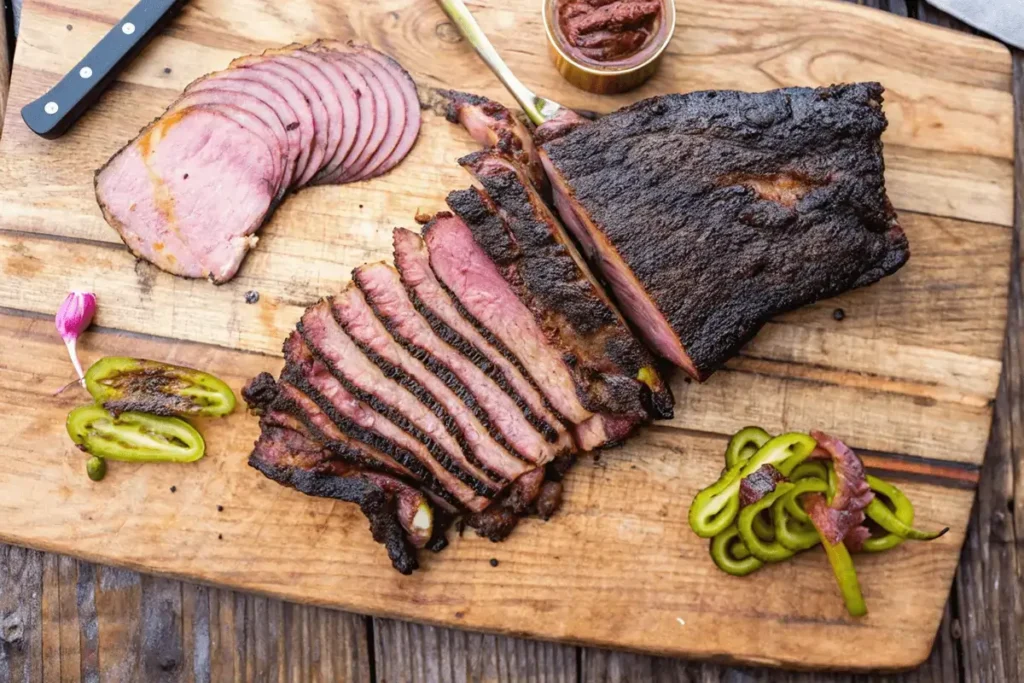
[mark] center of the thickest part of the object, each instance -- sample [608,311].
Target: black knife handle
[53,113]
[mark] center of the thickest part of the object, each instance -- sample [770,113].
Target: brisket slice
[365,380]
[711,212]
[451,323]
[493,126]
[611,367]
[382,287]
[291,456]
[166,192]
[358,420]
[475,282]
[444,395]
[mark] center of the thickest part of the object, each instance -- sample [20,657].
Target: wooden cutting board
[907,377]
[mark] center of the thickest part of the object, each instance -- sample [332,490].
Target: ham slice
[299,74]
[321,114]
[189,191]
[268,97]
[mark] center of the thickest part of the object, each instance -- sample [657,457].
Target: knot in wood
[447,32]
[12,628]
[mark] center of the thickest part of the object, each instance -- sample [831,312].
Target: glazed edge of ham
[285,116]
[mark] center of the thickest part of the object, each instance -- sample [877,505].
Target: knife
[55,112]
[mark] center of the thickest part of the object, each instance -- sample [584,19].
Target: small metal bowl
[614,77]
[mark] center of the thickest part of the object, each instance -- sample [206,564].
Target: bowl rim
[670,6]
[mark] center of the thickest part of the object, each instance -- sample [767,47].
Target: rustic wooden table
[63,619]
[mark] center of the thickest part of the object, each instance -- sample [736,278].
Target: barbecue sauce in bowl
[608,46]
[605,33]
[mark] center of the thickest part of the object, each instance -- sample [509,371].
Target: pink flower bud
[73,317]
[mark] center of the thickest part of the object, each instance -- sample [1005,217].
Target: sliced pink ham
[286,116]
[321,119]
[249,112]
[189,191]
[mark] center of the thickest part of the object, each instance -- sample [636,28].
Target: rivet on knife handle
[52,114]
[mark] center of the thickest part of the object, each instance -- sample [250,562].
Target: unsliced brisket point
[709,213]
[475,450]
[346,361]
[452,324]
[382,287]
[611,367]
[294,459]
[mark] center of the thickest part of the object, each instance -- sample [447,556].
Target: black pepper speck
[252,296]
[220,508]
[167,69]
[173,489]
[494,562]
[838,314]
[70,27]
[220,537]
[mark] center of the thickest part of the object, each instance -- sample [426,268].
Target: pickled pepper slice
[131,384]
[134,437]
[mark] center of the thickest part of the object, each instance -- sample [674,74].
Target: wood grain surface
[5,66]
[909,372]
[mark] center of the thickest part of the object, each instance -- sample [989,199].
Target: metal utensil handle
[53,113]
[463,19]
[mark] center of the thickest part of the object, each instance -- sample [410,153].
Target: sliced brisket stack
[189,193]
[429,391]
[711,212]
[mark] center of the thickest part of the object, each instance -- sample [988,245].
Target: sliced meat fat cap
[284,113]
[302,126]
[321,118]
[169,196]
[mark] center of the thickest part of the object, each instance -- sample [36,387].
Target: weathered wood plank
[414,653]
[990,586]
[5,66]
[21,633]
[63,619]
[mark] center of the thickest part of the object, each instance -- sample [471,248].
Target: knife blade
[55,112]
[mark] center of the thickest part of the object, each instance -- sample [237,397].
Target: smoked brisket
[709,213]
